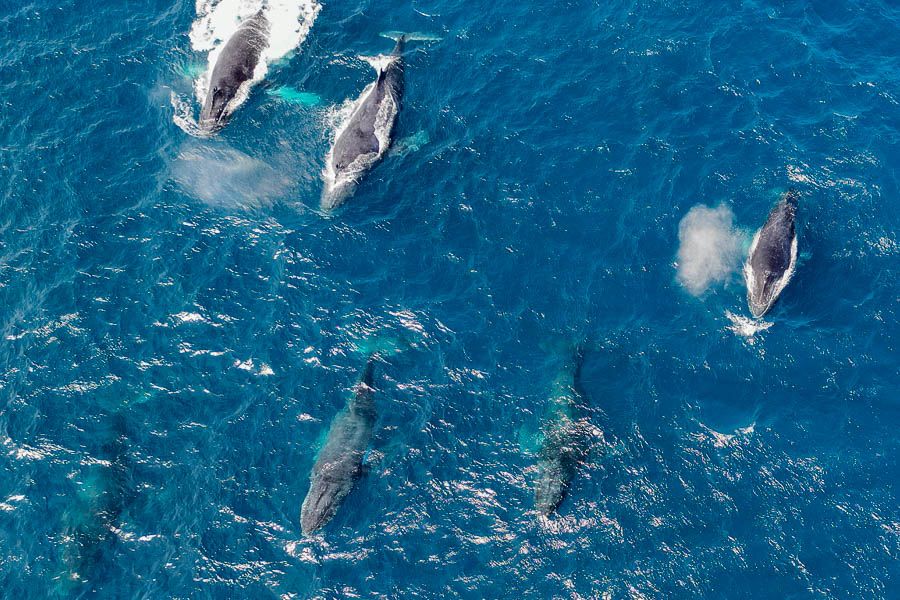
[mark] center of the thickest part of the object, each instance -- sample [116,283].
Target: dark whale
[232,75]
[90,521]
[773,255]
[367,134]
[339,463]
[564,446]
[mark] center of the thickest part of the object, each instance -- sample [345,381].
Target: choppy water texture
[180,324]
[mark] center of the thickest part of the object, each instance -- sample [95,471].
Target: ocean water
[180,323]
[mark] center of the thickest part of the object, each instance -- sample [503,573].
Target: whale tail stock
[578,358]
[368,374]
[400,46]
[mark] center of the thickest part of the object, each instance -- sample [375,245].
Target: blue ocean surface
[181,323]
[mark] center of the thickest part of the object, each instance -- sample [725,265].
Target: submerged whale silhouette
[339,463]
[563,446]
[92,517]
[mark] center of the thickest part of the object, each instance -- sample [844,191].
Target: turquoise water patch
[530,438]
[192,70]
[294,96]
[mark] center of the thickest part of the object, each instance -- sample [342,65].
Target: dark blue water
[180,324]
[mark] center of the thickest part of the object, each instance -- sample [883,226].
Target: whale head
[321,503]
[772,257]
[215,110]
[761,293]
[765,283]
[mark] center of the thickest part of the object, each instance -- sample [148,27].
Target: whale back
[362,402]
[360,137]
[242,52]
[235,66]
[773,250]
[772,255]
[339,462]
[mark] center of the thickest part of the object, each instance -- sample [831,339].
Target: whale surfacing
[563,448]
[773,256]
[233,74]
[365,137]
[92,517]
[339,463]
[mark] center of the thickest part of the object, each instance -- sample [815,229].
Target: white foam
[746,327]
[184,116]
[217,20]
[380,62]
[710,247]
[723,440]
[265,370]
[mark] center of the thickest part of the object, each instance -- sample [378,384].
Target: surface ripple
[180,324]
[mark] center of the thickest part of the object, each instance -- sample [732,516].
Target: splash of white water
[746,327]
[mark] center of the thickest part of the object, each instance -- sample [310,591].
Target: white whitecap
[745,326]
